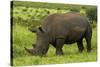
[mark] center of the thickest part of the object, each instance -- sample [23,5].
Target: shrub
[92,14]
[75,9]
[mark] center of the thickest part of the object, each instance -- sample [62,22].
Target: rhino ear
[40,29]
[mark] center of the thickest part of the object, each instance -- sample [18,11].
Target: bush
[75,9]
[94,25]
[92,14]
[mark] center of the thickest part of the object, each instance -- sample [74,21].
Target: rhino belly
[73,35]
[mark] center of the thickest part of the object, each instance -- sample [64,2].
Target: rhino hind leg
[59,45]
[88,39]
[80,45]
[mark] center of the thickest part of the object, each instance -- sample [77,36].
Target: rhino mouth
[36,52]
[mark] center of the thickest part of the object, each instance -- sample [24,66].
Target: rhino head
[42,43]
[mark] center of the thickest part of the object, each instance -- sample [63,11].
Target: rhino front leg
[80,45]
[59,45]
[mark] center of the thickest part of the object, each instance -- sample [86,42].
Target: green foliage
[94,24]
[41,5]
[21,38]
[32,13]
[92,13]
[32,16]
[75,9]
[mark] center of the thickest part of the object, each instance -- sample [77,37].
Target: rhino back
[67,25]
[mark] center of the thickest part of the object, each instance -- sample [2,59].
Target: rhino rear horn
[32,29]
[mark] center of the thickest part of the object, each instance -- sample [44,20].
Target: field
[24,38]
[26,17]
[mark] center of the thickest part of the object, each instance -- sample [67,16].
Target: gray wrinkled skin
[60,29]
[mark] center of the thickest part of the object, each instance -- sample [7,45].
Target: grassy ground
[24,38]
[48,5]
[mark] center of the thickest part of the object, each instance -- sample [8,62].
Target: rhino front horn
[29,50]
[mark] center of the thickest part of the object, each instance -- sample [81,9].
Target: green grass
[24,38]
[48,5]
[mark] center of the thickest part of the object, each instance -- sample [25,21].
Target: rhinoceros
[59,29]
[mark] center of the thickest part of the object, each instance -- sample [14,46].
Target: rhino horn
[29,50]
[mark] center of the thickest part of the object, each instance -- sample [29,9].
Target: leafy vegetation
[92,14]
[31,14]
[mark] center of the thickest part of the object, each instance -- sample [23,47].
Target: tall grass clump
[21,38]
